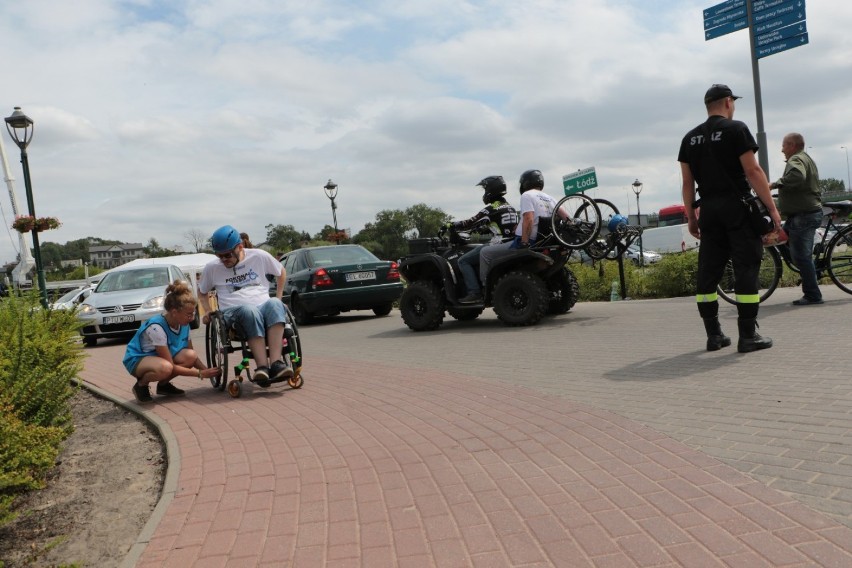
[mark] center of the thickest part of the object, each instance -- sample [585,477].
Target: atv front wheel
[564,292]
[520,298]
[422,306]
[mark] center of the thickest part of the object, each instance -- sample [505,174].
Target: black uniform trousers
[727,234]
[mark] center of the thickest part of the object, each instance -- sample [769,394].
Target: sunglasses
[227,255]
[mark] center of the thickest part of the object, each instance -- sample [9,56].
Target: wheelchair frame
[219,341]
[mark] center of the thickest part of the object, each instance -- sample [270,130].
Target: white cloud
[154,116]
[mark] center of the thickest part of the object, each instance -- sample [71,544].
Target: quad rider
[501,219]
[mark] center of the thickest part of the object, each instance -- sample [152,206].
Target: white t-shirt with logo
[541,205]
[245,283]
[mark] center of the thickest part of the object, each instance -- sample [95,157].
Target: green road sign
[581,180]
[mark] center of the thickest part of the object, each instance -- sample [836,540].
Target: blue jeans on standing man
[801,228]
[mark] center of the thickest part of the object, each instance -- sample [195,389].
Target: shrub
[673,276]
[39,355]
[27,452]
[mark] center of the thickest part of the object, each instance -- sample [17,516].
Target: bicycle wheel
[217,344]
[768,277]
[838,257]
[583,223]
[601,247]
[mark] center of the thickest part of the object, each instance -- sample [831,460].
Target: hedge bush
[673,276]
[40,354]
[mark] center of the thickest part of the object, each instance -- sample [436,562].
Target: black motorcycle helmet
[531,179]
[495,189]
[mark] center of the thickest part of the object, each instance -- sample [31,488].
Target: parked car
[125,298]
[650,256]
[72,299]
[332,279]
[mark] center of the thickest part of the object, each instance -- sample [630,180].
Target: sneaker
[167,388]
[471,299]
[281,371]
[261,376]
[142,393]
[805,301]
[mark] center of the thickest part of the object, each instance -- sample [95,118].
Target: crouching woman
[162,350]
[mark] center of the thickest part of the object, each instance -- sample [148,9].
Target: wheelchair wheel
[297,342]
[235,388]
[217,344]
[583,224]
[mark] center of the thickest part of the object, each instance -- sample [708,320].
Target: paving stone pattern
[604,437]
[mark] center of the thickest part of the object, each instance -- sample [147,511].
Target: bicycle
[832,255]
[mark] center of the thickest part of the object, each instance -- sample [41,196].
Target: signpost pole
[762,152]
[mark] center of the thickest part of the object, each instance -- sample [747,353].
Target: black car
[333,279]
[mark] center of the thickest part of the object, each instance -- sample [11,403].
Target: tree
[154,250]
[425,220]
[832,185]
[284,238]
[389,232]
[197,239]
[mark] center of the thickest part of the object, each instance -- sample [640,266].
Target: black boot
[750,340]
[715,338]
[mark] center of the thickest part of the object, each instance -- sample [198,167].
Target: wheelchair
[221,340]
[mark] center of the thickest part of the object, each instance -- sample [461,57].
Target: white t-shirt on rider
[541,204]
[245,283]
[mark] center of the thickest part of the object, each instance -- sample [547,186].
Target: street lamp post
[20,128]
[637,189]
[848,181]
[331,192]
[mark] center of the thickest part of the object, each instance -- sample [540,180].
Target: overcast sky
[154,117]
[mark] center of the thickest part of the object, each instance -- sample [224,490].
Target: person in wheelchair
[499,217]
[162,350]
[239,279]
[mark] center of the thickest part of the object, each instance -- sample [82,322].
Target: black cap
[716,92]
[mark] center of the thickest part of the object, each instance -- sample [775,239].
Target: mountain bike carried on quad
[521,287]
[832,257]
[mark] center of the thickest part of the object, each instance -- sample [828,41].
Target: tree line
[386,237]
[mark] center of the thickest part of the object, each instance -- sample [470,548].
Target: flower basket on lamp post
[24,223]
[47,223]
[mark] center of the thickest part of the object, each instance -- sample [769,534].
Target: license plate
[359,276]
[119,319]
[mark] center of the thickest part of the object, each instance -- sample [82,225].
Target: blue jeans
[466,265]
[800,229]
[253,321]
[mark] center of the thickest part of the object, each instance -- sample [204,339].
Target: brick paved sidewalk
[379,465]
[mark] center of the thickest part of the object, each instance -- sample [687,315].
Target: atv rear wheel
[564,292]
[520,298]
[422,306]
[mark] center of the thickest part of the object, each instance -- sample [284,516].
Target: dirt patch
[98,498]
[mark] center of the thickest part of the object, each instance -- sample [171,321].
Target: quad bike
[521,287]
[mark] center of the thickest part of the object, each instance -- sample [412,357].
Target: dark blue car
[333,279]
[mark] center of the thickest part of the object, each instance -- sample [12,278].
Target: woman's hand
[209,372]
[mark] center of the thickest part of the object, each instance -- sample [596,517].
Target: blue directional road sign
[778,34]
[725,18]
[767,26]
[772,10]
[779,46]
[725,28]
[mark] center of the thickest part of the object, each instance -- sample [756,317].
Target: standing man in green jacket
[799,200]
